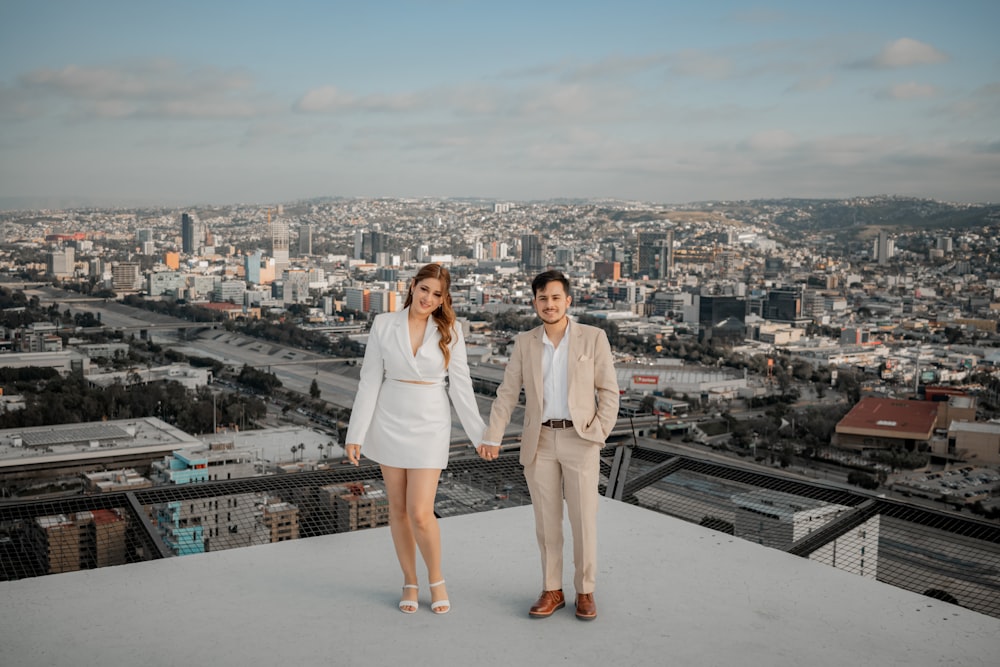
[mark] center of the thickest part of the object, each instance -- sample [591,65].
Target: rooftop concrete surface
[669,593]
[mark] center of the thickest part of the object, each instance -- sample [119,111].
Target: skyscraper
[61,262]
[305,240]
[783,305]
[884,247]
[251,266]
[279,243]
[532,253]
[191,234]
[650,250]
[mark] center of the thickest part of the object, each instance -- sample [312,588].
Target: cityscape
[784,217]
[852,341]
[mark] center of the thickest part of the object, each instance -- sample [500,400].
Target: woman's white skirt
[411,427]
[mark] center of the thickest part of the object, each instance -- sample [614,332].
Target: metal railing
[938,553]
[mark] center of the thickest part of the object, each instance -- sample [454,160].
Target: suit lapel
[402,336]
[534,359]
[574,353]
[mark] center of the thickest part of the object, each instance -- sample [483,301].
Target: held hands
[489,452]
[353,453]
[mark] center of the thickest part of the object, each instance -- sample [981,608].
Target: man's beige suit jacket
[593,388]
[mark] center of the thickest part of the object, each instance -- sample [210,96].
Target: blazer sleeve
[606,384]
[369,384]
[507,394]
[460,389]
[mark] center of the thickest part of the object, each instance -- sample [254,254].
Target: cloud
[990,147]
[140,81]
[904,52]
[772,141]
[909,91]
[811,85]
[330,99]
[615,67]
[147,89]
[691,62]
[758,16]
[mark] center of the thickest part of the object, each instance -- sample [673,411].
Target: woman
[402,420]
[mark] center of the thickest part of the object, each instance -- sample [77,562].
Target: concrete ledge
[669,592]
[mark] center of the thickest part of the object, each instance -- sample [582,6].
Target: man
[571,392]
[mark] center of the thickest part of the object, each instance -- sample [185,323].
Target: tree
[314,390]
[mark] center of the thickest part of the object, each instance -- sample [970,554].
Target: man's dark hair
[546,277]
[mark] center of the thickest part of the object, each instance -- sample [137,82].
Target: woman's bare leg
[401,528]
[421,490]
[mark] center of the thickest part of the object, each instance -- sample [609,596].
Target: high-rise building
[532,256]
[252,266]
[783,305]
[305,240]
[296,283]
[654,253]
[608,271]
[721,318]
[60,262]
[79,541]
[368,245]
[357,298]
[126,277]
[229,291]
[191,234]
[384,301]
[279,243]
[359,244]
[884,247]
[665,256]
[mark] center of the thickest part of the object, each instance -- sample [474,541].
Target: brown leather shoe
[548,602]
[586,608]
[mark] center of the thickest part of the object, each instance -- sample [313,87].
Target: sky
[184,103]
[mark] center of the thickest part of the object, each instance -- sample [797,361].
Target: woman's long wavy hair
[443,315]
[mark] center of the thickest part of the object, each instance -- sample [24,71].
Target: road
[337,379]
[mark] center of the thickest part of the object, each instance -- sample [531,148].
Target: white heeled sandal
[409,606]
[435,606]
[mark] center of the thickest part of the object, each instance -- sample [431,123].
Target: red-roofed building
[882,423]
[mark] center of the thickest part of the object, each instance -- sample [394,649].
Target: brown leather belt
[558,423]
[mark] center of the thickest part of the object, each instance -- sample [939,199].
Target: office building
[654,255]
[305,240]
[229,291]
[884,248]
[357,299]
[608,271]
[779,520]
[721,319]
[252,265]
[532,254]
[126,277]
[784,305]
[296,286]
[279,244]
[60,262]
[192,235]
[78,541]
